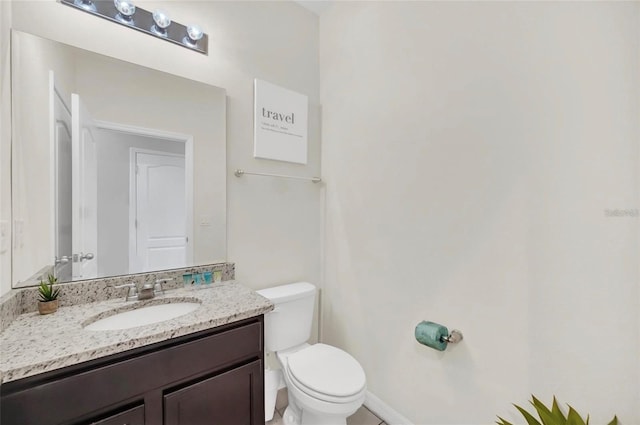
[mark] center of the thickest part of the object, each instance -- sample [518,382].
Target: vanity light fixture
[158,23]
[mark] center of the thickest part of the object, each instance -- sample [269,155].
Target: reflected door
[62,182]
[157,212]
[84,192]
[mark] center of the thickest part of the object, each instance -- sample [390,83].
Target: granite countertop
[34,344]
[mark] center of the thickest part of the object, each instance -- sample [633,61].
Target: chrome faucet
[146,292]
[132,293]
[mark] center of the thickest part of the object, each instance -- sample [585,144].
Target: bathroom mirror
[116,168]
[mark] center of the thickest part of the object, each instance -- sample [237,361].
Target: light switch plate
[4,236]
[18,234]
[206,220]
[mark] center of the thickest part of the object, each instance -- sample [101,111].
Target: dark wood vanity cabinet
[133,416]
[210,377]
[209,401]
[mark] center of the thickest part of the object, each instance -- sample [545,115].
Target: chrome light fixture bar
[157,24]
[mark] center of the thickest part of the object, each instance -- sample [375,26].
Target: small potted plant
[48,301]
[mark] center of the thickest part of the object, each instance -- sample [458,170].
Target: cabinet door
[133,416]
[231,398]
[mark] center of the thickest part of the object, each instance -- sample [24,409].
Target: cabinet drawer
[80,394]
[133,416]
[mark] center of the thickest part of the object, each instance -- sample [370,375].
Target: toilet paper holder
[435,335]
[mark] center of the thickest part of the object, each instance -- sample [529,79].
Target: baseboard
[384,411]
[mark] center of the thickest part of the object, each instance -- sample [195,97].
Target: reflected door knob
[81,257]
[62,260]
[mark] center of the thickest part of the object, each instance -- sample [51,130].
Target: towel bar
[239,173]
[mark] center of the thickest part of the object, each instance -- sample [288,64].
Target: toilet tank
[289,324]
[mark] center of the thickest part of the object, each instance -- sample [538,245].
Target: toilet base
[292,417]
[309,418]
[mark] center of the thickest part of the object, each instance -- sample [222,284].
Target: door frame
[187,140]
[84,190]
[55,92]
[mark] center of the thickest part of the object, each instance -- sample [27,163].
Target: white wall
[273,226]
[470,151]
[5,146]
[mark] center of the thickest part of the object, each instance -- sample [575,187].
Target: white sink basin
[143,316]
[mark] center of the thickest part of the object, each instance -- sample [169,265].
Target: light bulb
[86,5]
[194,32]
[161,19]
[126,10]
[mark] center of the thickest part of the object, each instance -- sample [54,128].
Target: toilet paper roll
[432,334]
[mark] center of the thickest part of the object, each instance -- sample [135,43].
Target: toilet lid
[327,370]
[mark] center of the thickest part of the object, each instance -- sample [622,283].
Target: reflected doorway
[123,195]
[145,200]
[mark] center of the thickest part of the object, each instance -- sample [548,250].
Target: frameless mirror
[116,168]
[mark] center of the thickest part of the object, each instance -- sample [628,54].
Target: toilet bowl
[325,383]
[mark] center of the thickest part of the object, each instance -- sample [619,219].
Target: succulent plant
[553,416]
[46,290]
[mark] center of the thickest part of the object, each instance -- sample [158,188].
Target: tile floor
[362,417]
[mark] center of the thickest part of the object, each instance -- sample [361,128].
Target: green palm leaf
[503,422]
[527,416]
[573,418]
[547,417]
[557,413]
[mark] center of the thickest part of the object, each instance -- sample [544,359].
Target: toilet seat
[326,373]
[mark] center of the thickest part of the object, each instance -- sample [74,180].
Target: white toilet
[325,384]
